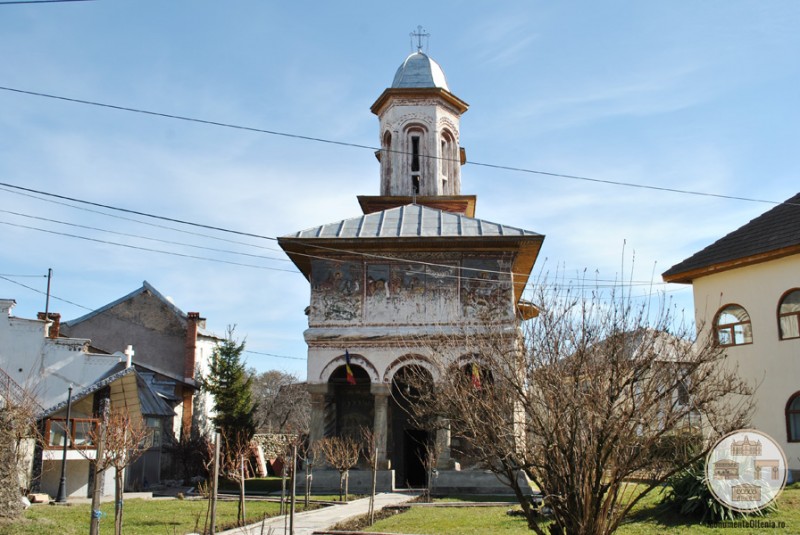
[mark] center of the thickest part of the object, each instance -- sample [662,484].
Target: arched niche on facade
[476,369]
[355,360]
[353,402]
[407,360]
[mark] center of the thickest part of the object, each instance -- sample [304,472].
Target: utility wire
[43,293]
[373,148]
[394,259]
[138,248]
[168,242]
[5,278]
[20,2]
[136,212]
[273,355]
[139,221]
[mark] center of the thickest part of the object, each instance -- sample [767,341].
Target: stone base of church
[446,482]
[327,481]
[449,482]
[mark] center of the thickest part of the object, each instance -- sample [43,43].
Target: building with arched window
[747,290]
[414,266]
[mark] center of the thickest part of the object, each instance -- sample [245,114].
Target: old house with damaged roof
[53,375]
[172,347]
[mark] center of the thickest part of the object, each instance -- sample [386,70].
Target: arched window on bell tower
[415,158]
[447,162]
[387,157]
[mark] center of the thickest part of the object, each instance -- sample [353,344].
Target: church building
[415,266]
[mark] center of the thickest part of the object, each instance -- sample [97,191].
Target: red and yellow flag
[351,379]
[476,376]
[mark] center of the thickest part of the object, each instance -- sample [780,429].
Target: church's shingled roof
[772,234]
[411,221]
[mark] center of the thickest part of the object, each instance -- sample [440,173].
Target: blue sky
[690,95]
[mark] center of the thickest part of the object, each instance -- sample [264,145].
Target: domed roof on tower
[420,70]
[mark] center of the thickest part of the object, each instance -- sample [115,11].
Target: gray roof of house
[115,373]
[146,286]
[411,221]
[772,231]
[151,403]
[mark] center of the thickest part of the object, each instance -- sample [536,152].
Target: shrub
[688,494]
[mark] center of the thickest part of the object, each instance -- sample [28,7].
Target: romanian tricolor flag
[351,379]
[476,376]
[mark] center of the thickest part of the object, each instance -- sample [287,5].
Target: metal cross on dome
[419,34]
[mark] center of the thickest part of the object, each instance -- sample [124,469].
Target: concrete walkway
[307,522]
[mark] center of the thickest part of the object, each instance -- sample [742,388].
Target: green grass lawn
[142,517]
[646,519]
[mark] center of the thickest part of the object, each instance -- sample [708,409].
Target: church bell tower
[420,154]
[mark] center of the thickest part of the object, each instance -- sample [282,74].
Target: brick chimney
[193,321]
[55,325]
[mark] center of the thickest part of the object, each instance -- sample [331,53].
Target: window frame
[781,315]
[788,412]
[94,424]
[731,327]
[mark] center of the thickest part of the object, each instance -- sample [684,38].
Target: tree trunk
[308,482]
[241,494]
[283,489]
[374,487]
[118,490]
[94,523]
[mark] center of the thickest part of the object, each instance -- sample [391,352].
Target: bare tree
[283,405]
[308,455]
[342,454]
[125,440]
[18,408]
[369,447]
[235,453]
[592,393]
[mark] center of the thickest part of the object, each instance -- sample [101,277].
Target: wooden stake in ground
[94,524]
[294,489]
[214,484]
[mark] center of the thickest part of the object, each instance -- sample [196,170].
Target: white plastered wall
[773,363]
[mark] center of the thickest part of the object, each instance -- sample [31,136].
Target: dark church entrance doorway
[415,448]
[408,443]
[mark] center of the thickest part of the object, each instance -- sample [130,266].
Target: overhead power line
[138,248]
[416,262]
[273,355]
[20,2]
[139,221]
[373,148]
[43,293]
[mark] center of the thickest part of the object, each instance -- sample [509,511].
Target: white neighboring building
[747,288]
[35,360]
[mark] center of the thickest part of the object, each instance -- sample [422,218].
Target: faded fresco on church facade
[411,293]
[485,286]
[336,289]
[386,292]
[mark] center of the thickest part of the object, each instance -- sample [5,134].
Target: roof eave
[416,92]
[686,277]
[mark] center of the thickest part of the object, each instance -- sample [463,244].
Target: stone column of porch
[381,392]
[444,462]
[319,393]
